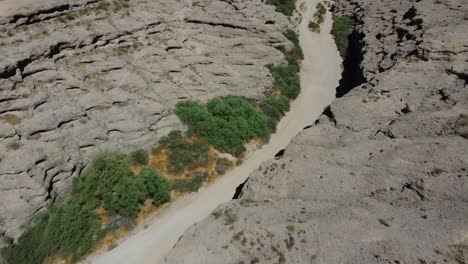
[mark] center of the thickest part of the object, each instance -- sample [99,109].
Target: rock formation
[382,177]
[79,76]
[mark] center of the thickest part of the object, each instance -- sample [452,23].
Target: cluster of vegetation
[109,182]
[342,28]
[184,154]
[192,185]
[319,18]
[275,108]
[139,157]
[314,26]
[287,77]
[320,13]
[72,228]
[227,123]
[286,7]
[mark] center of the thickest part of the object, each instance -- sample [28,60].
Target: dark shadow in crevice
[239,189]
[329,113]
[279,154]
[352,75]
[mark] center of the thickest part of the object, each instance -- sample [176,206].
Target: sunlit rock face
[383,175]
[81,76]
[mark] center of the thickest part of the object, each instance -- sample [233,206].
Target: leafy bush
[319,17]
[296,53]
[139,157]
[98,182]
[157,187]
[286,7]
[313,26]
[320,13]
[68,230]
[287,77]
[342,28]
[275,108]
[72,228]
[192,185]
[226,122]
[184,154]
[129,194]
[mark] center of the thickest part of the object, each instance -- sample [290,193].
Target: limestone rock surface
[382,177]
[80,76]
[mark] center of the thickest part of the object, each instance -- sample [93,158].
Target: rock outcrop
[382,177]
[78,76]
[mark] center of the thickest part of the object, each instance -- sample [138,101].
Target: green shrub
[157,187]
[139,157]
[226,122]
[320,13]
[296,53]
[286,7]
[98,182]
[72,228]
[342,28]
[129,194]
[69,230]
[287,77]
[275,108]
[184,154]
[313,26]
[319,18]
[192,185]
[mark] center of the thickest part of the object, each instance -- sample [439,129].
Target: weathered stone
[80,77]
[383,176]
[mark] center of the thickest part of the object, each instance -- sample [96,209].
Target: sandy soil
[320,75]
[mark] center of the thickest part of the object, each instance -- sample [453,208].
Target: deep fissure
[352,75]
[239,190]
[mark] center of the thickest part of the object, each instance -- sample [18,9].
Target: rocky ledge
[382,177]
[77,76]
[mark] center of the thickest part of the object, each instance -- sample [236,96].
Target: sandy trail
[320,75]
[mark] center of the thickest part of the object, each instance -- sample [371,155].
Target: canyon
[382,176]
[376,175]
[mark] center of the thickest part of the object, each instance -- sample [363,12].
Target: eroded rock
[383,175]
[80,76]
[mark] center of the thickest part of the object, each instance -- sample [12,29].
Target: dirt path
[319,76]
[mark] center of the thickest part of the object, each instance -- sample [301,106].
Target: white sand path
[320,74]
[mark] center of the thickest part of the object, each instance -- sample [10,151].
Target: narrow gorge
[233,131]
[382,175]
